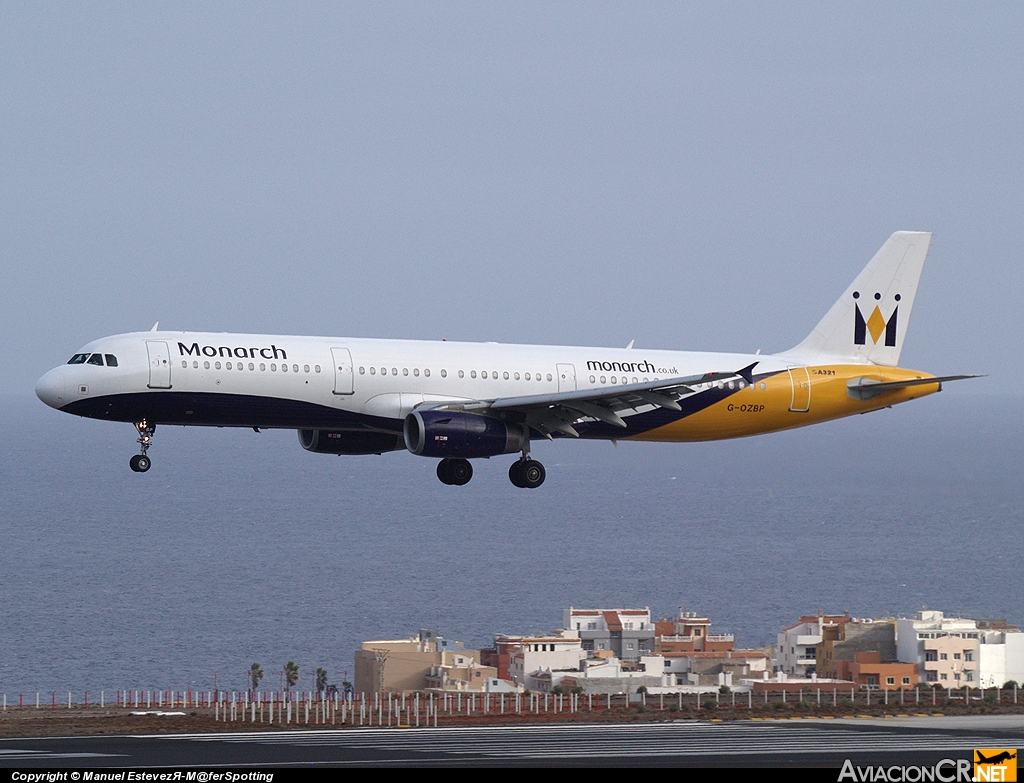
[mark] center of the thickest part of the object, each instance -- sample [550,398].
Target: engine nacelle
[342,442]
[466,435]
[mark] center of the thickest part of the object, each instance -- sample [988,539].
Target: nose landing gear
[140,463]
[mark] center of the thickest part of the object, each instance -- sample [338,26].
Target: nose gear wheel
[140,463]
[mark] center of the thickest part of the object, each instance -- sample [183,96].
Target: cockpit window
[111,360]
[96,358]
[78,358]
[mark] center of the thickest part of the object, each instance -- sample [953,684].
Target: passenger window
[217,365]
[316,368]
[284,367]
[373,371]
[592,379]
[78,358]
[273,368]
[295,368]
[305,368]
[252,366]
[416,371]
[472,373]
[426,373]
[462,374]
[195,364]
[206,365]
[505,376]
[549,376]
[229,365]
[516,376]
[184,364]
[111,360]
[405,371]
[263,367]
[527,376]
[394,371]
[96,358]
[362,370]
[444,373]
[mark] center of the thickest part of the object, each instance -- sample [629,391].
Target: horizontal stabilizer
[864,389]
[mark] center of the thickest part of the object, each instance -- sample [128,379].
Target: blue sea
[239,547]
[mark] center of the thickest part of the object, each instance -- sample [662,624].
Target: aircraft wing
[558,412]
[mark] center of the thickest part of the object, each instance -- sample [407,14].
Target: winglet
[157,324]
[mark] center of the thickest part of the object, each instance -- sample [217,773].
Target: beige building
[944,648]
[462,674]
[406,664]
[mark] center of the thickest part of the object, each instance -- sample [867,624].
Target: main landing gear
[527,473]
[454,471]
[140,463]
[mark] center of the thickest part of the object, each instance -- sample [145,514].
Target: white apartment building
[606,675]
[561,651]
[953,651]
[1001,658]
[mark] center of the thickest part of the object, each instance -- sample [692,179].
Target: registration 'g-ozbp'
[461,401]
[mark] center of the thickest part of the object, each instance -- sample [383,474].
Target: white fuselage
[383,379]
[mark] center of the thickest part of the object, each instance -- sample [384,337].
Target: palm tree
[255,675]
[291,674]
[321,680]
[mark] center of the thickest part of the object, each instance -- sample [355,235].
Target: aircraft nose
[51,388]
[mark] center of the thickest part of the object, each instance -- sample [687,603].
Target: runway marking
[17,754]
[606,741]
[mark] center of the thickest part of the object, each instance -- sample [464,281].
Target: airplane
[457,401]
[1005,755]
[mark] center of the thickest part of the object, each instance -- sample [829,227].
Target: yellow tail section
[793,398]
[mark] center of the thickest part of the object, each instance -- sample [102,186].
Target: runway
[691,743]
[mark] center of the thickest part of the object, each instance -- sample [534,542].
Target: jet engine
[461,435]
[343,442]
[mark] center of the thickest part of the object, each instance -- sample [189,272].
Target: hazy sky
[694,176]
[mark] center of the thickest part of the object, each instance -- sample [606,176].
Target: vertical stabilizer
[869,321]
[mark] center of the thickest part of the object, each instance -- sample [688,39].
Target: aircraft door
[566,377]
[344,380]
[800,381]
[159,364]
